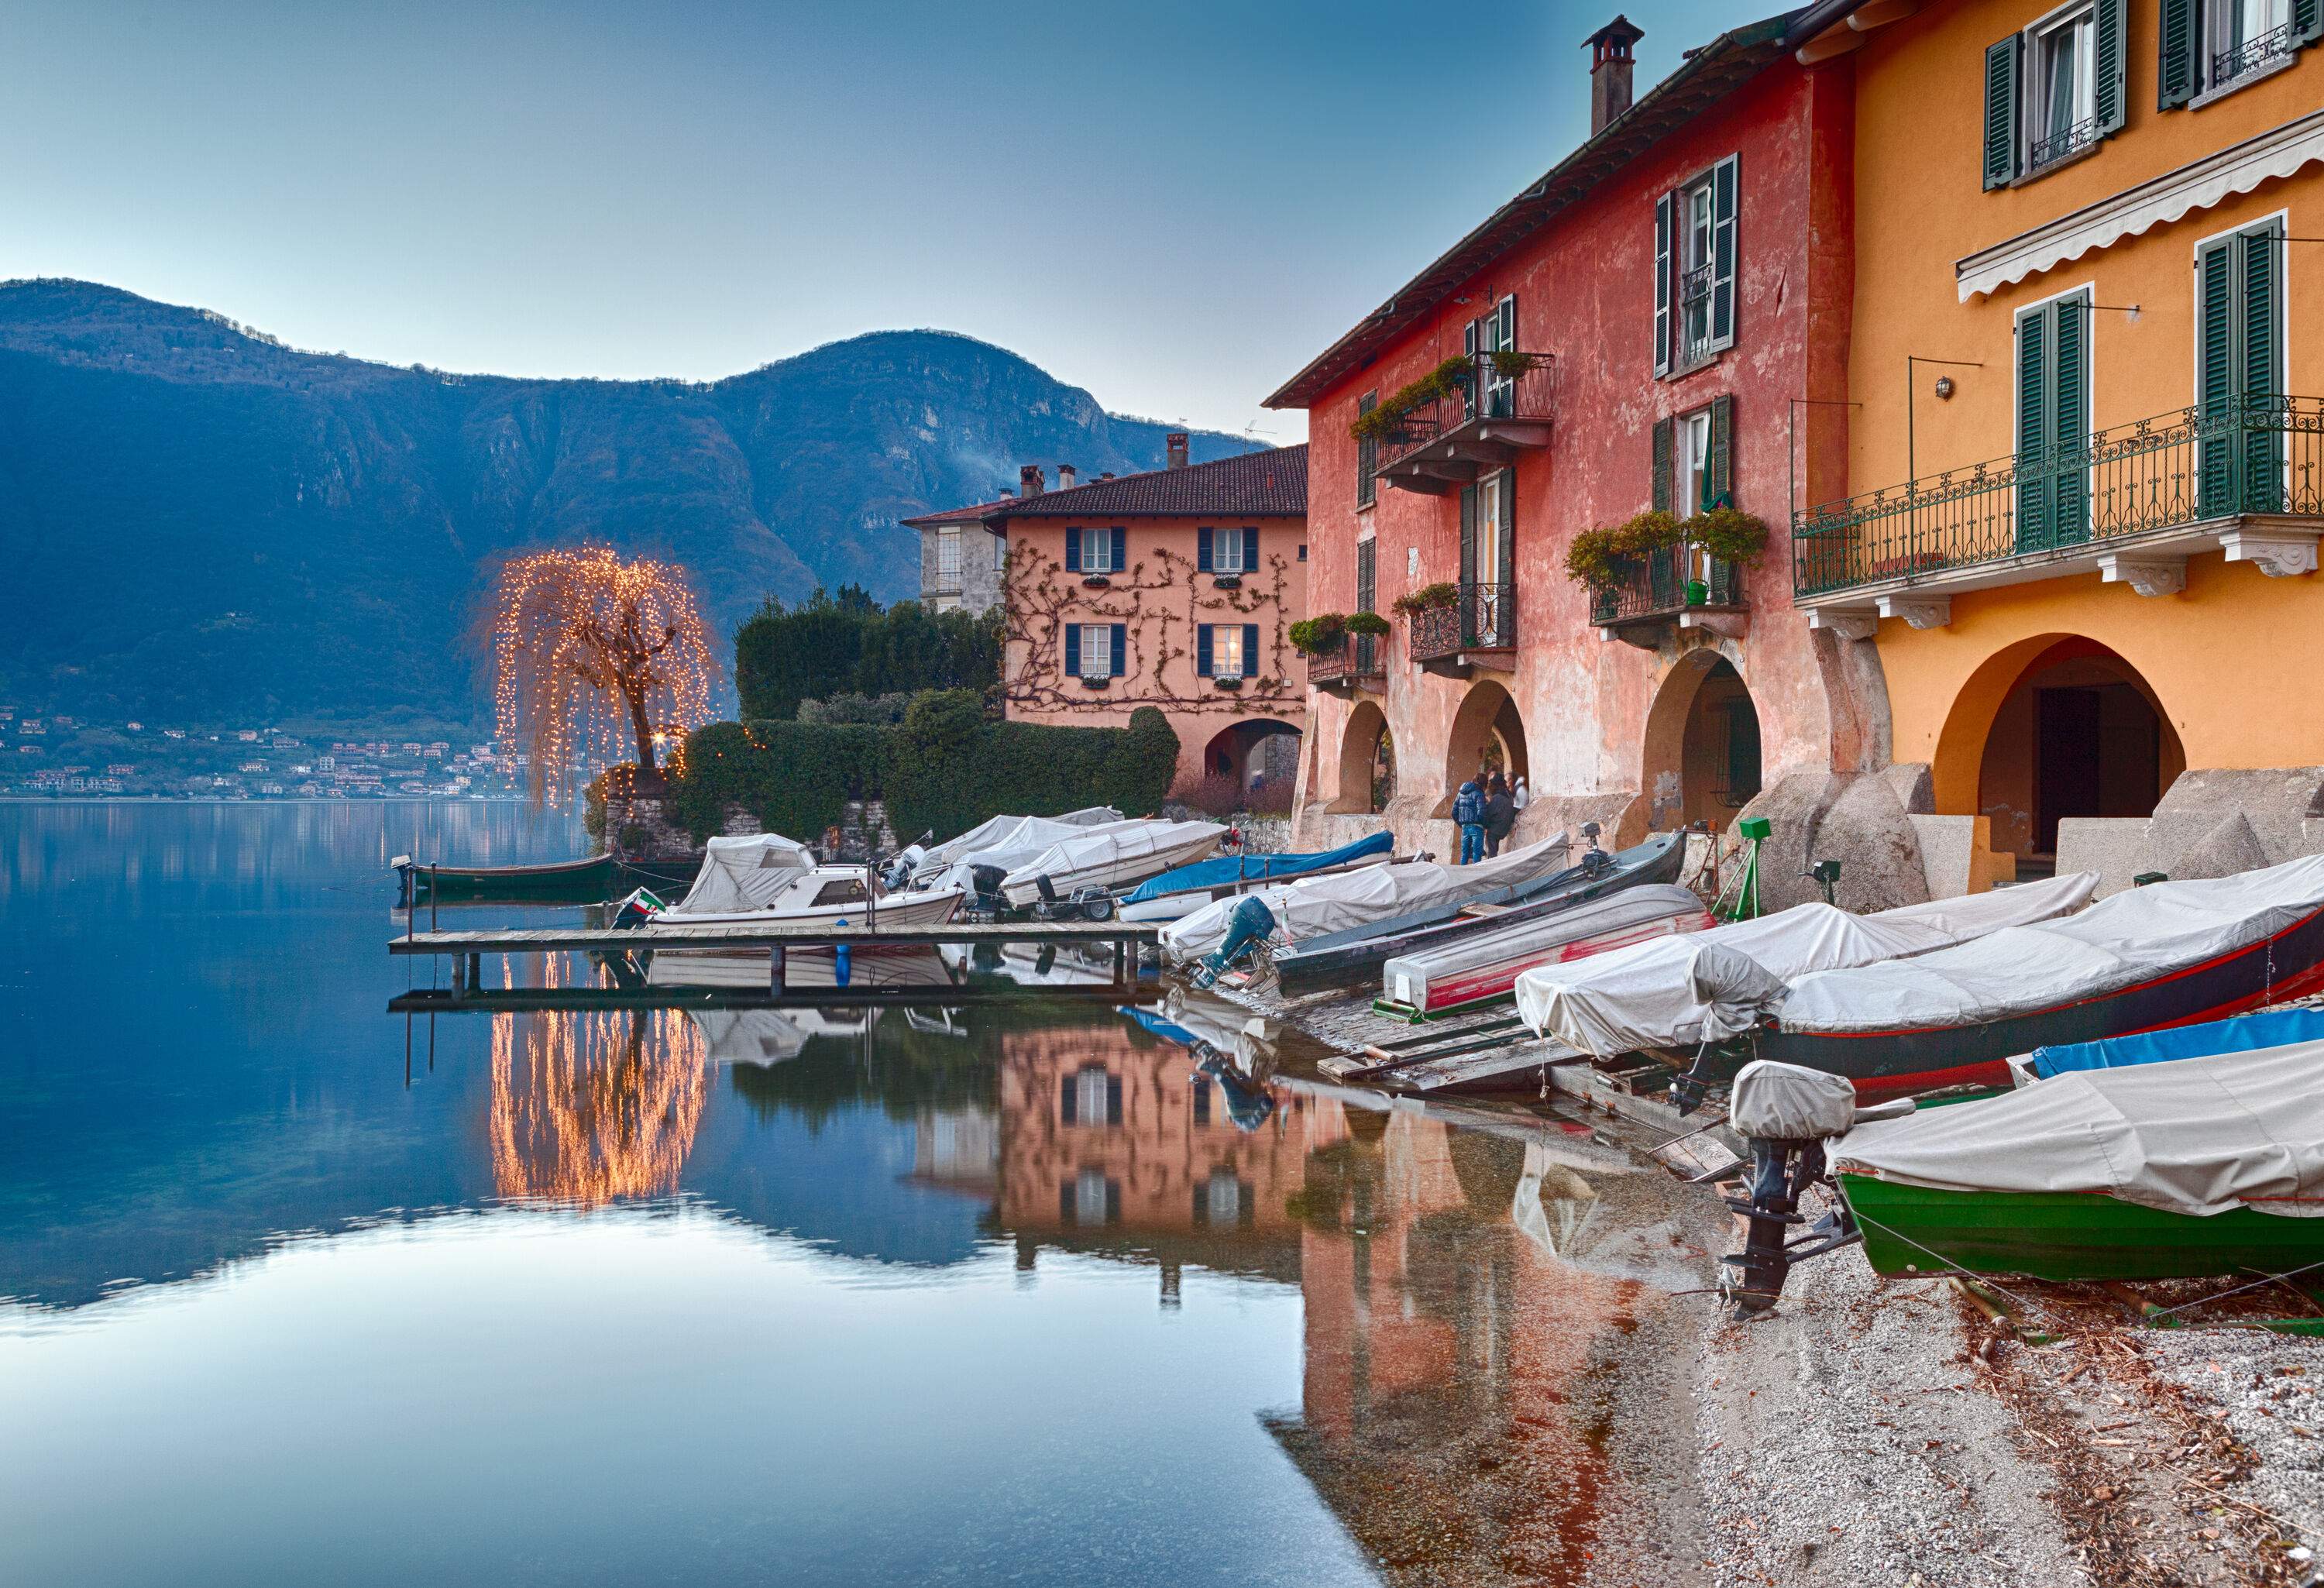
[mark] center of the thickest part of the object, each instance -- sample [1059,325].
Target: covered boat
[766,879]
[2168,953]
[2241,1034]
[2191,1166]
[1005,841]
[1343,958]
[1717,984]
[1114,855]
[587,881]
[1315,907]
[1182,889]
[1485,964]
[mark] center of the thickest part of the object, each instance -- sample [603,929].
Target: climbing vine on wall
[1160,599]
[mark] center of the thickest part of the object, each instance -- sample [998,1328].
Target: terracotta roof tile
[1270,484]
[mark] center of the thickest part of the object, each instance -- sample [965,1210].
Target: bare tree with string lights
[593,651]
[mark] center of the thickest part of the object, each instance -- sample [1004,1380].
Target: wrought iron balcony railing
[2253,53]
[1355,659]
[1484,618]
[2250,454]
[2065,141]
[1509,385]
[1660,586]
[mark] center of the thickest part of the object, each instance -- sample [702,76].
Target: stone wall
[637,828]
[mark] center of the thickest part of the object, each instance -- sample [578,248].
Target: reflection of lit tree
[590,650]
[589,1107]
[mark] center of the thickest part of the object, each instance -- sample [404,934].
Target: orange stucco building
[1174,589]
[2085,486]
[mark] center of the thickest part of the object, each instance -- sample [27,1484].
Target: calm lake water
[292,1291]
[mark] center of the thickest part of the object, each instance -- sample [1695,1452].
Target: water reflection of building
[589,1107]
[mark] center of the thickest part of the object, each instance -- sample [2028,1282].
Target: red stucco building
[1662,322]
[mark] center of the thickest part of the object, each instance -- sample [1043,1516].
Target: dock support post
[1120,948]
[459,978]
[475,971]
[775,971]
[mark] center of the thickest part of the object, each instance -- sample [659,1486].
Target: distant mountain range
[198,523]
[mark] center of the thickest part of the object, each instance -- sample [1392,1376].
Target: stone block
[2113,846]
[1957,856]
[2277,803]
[1853,818]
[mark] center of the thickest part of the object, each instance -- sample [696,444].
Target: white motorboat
[1005,843]
[1116,856]
[766,880]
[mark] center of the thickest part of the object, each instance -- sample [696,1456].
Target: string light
[597,659]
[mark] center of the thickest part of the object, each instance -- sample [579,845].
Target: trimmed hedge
[945,768]
[847,643]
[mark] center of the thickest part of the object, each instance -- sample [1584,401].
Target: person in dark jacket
[1500,814]
[1469,814]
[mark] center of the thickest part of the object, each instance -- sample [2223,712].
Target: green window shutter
[2263,371]
[1719,468]
[2307,20]
[1665,218]
[1367,454]
[2215,375]
[1468,535]
[2110,86]
[2069,426]
[2032,430]
[2176,46]
[1723,198]
[1367,574]
[2001,113]
[1663,435]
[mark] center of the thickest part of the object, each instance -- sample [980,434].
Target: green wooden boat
[587,881]
[2068,1235]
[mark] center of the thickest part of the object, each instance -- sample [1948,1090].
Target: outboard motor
[1251,923]
[1786,1113]
[1250,1104]
[899,871]
[986,881]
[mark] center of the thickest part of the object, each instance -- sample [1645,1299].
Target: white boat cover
[2133,936]
[1117,852]
[1003,832]
[743,874]
[1790,1102]
[1407,977]
[1706,986]
[2195,1136]
[1314,906]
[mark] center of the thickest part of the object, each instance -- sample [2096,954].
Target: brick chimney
[1174,444]
[1610,64]
[1066,476]
[1030,481]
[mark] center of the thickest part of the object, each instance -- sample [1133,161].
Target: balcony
[1357,664]
[1503,409]
[1660,592]
[1480,628]
[2245,475]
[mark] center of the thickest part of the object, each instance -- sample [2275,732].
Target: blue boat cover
[1230,868]
[1167,1029]
[2243,1034]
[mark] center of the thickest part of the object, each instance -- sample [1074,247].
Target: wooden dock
[622,947]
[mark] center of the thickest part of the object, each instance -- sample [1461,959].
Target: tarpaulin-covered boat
[2276,1028]
[1005,843]
[1485,964]
[2169,954]
[585,881]
[1341,958]
[1315,907]
[2210,1165]
[1114,855]
[1182,889]
[766,879]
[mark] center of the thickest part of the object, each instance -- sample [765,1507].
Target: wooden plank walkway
[536,1000]
[559,940]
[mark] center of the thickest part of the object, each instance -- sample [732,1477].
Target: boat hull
[2068,1235]
[1892,1063]
[578,882]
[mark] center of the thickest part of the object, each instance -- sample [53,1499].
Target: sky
[1174,206]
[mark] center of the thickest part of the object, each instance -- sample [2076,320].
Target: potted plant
[1434,597]
[1367,624]
[1319,635]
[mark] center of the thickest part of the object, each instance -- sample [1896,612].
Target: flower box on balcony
[1228,683]
[1096,582]
[1090,683]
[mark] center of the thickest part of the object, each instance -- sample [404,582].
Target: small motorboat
[1341,958]
[1182,889]
[2167,953]
[587,881]
[1117,854]
[1482,966]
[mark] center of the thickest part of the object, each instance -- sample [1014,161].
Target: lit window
[1226,651]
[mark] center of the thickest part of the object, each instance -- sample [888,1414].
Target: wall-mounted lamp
[1945,388]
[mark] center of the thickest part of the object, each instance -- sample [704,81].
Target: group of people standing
[1486,812]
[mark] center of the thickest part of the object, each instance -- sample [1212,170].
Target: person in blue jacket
[1469,813]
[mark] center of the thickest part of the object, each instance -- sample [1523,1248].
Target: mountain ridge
[206,522]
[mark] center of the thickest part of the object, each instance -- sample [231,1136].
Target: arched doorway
[1367,764]
[2053,727]
[1701,761]
[1487,736]
[1257,760]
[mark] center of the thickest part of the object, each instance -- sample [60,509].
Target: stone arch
[1242,751]
[2053,725]
[1365,746]
[1700,758]
[1488,734]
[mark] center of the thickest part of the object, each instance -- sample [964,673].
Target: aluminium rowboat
[1483,967]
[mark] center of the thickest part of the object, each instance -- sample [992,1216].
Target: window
[1096,551]
[1225,651]
[1227,551]
[1694,269]
[1089,1097]
[1496,332]
[1367,455]
[948,560]
[1093,651]
[2239,370]
[2209,46]
[2054,423]
[1367,594]
[1692,459]
[2053,90]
